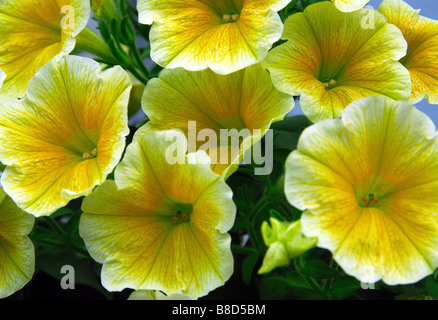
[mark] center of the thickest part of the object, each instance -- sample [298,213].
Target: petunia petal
[244,101]
[421,59]
[46,137]
[34,32]
[380,149]
[330,59]
[350,5]
[127,224]
[16,249]
[194,34]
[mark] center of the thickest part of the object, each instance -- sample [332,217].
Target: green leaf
[297,285]
[276,215]
[294,281]
[344,287]
[127,32]
[432,287]
[287,132]
[104,30]
[277,174]
[270,289]
[84,272]
[118,53]
[292,124]
[248,267]
[286,140]
[44,235]
[418,297]
[319,270]
[239,224]
[72,225]
[122,8]
[62,212]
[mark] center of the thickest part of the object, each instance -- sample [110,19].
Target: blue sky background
[429,8]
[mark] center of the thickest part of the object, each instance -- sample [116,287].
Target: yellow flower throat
[230,17]
[181,217]
[88,156]
[330,83]
[370,201]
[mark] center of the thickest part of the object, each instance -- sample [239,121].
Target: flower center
[88,156]
[230,17]
[181,216]
[369,201]
[329,84]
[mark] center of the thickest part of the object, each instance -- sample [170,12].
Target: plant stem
[88,41]
[139,60]
[257,208]
[137,74]
[294,2]
[309,281]
[244,250]
[62,236]
[55,227]
[80,250]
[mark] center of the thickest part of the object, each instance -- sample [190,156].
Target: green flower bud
[104,9]
[285,241]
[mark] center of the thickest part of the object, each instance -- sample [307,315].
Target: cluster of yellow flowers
[366,182]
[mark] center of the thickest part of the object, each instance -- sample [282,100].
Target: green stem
[253,236]
[294,2]
[137,74]
[244,250]
[80,250]
[50,242]
[309,281]
[139,61]
[252,216]
[88,41]
[257,208]
[327,283]
[55,227]
[62,236]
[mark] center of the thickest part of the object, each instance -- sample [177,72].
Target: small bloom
[161,226]
[17,257]
[422,56]
[368,184]
[244,100]
[330,60]
[225,36]
[33,32]
[285,242]
[65,136]
[350,5]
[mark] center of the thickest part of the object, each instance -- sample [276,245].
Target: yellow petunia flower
[369,184]
[333,58]
[33,32]
[65,136]
[2,78]
[161,226]
[350,5]
[242,101]
[422,57]
[224,36]
[17,256]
